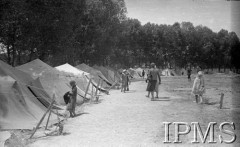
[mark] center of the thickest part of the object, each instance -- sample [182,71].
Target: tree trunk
[8,55]
[13,55]
[19,57]
[42,55]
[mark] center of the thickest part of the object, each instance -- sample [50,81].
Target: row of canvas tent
[137,73]
[26,91]
[23,102]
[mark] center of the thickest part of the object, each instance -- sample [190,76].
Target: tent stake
[221,100]
[92,91]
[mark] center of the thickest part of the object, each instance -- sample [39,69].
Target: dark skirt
[151,85]
[71,105]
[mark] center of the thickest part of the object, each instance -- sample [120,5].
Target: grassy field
[189,111]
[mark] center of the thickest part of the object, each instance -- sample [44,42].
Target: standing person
[154,75]
[199,68]
[189,73]
[128,81]
[143,73]
[148,83]
[124,81]
[199,87]
[73,97]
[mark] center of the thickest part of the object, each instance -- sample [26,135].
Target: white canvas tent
[139,71]
[168,72]
[134,73]
[50,78]
[79,76]
[70,69]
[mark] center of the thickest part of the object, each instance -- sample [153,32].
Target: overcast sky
[215,14]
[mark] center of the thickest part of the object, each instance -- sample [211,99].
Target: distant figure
[124,81]
[128,81]
[148,81]
[143,73]
[154,76]
[189,73]
[73,97]
[198,88]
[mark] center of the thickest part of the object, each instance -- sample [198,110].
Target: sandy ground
[131,119]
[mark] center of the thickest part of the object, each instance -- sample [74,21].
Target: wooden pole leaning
[85,96]
[100,83]
[50,109]
[48,120]
[92,92]
[111,86]
[39,123]
[97,88]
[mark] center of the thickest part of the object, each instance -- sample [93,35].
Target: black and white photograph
[119,73]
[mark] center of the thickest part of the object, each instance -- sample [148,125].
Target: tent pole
[101,84]
[92,91]
[85,96]
[48,120]
[39,123]
[97,87]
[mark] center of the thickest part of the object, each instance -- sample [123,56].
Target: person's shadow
[79,114]
[130,91]
[161,99]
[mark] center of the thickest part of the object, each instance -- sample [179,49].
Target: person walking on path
[73,97]
[124,81]
[198,88]
[154,75]
[143,74]
[148,83]
[189,73]
[157,85]
[128,81]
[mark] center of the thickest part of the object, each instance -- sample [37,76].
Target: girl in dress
[198,88]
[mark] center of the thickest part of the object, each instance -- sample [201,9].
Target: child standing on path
[73,97]
[198,88]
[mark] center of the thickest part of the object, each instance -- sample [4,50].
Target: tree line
[99,32]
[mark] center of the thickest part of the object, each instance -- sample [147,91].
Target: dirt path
[120,119]
[131,119]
